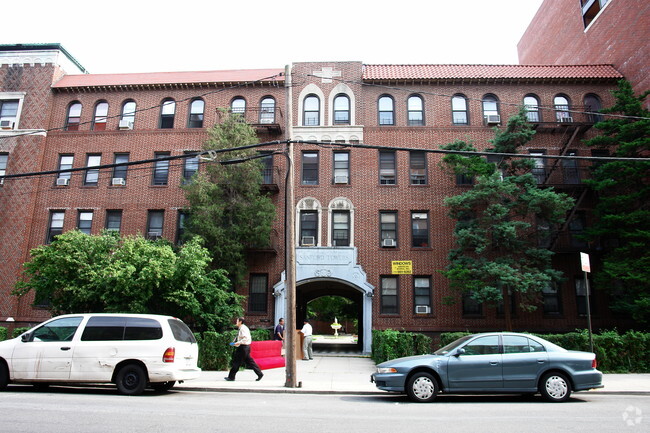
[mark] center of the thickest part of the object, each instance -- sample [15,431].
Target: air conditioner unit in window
[6,124]
[62,181]
[566,119]
[118,181]
[388,243]
[308,241]
[422,309]
[340,179]
[154,235]
[126,124]
[492,119]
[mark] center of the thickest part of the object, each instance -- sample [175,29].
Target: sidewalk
[351,375]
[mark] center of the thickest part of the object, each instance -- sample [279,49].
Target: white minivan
[134,351]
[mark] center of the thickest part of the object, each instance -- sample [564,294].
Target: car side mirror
[459,352]
[26,338]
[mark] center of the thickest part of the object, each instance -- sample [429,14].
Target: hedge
[215,352]
[3,333]
[390,344]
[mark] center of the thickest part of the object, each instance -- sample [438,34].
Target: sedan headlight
[384,370]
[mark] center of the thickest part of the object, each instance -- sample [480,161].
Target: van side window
[57,330]
[101,328]
[142,329]
[181,331]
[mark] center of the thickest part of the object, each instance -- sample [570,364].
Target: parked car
[131,350]
[492,363]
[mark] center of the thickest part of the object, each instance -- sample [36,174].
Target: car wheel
[4,376]
[555,387]
[163,386]
[422,387]
[131,379]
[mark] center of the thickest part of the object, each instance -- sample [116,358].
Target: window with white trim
[55,226]
[91,176]
[422,295]
[85,221]
[389,295]
[100,116]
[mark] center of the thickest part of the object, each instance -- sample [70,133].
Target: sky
[166,35]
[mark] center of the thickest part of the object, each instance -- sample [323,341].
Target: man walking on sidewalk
[243,352]
[307,353]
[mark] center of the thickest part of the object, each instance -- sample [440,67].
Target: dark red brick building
[358,208]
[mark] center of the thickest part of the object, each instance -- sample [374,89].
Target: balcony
[271,179]
[273,246]
[560,119]
[268,119]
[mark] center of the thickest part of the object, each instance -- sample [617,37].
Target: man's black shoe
[228,379]
[259,377]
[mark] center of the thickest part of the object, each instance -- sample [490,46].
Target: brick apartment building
[357,209]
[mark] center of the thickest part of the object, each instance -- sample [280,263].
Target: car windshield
[451,346]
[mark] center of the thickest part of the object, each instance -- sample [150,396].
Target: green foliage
[391,344]
[215,353]
[80,273]
[622,225]
[326,308]
[497,253]
[227,208]
[3,333]
[18,331]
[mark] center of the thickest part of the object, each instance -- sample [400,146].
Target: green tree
[497,253]
[227,207]
[622,224]
[105,273]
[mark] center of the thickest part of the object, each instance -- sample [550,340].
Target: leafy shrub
[391,344]
[18,331]
[3,333]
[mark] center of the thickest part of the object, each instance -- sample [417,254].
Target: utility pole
[290,247]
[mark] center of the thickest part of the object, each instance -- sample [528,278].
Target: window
[167,113]
[389,301]
[551,299]
[341,228]
[561,105]
[418,167]
[420,229]
[459,113]
[190,167]
[311,111]
[590,9]
[341,167]
[310,168]
[464,179]
[55,226]
[570,169]
[517,344]
[581,296]
[85,222]
[531,103]
[471,306]
[539,170]
[342,110]
[387,168]
[267,110]
[388,228]
[9,112]
[181,223]
[114,220]
[257,296]
[155,220]
[267,168]
[119,172]
[73,118]
[238,106]
[101,114]
[577,227]
[415,108]
[308,228]
[91,177]
[101,328]
[65,163]
[196,114]
[3,166]
[593,106]
[161,169]
[488,345]
[490,109]
[127,118]
[422,294]
[386,110]
[57,330]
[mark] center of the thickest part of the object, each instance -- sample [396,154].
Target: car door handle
[541,361]
[494,363]
[65,348]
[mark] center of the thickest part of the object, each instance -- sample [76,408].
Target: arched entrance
[329,271]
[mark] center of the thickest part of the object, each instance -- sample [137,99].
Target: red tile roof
[170,78]
[488,72]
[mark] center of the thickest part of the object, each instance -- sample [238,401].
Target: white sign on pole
[584,260]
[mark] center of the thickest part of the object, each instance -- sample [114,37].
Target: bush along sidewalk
[390,344]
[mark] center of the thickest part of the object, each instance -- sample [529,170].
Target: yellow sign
[402,267]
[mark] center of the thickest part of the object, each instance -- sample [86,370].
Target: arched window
[491,109]
[127,117]
[459,113]
[561,105]
[386,110]
[531,103]
[342,110]
[593,105]
[267,110]
[311,111]
[415,110]
[100,116]
[197,107]
[74,117]
[167,113]
[238,106]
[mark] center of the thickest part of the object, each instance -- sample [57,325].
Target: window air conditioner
[340,179]
[492,119]
[126,124]
[308,241]
[388,243]
[566,119]
[6,124]
[62,181]
[118,181]
[154,235]
[422,309]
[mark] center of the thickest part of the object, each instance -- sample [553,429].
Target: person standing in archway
[307,352]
